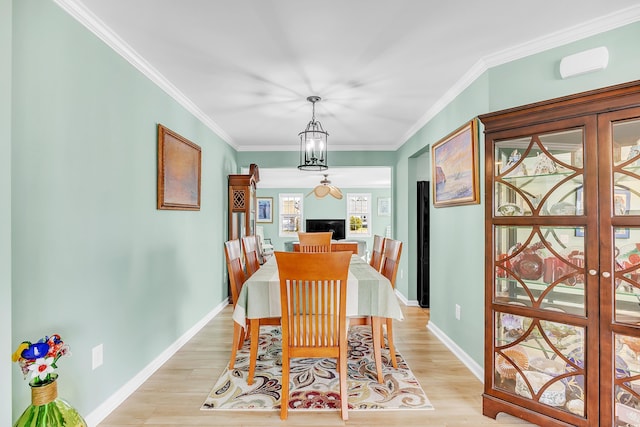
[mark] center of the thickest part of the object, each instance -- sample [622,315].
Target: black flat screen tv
[335,225]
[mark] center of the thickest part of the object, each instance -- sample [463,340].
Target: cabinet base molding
[491,407]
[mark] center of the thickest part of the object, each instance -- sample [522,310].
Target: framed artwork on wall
[384,206]
[265,209]
[454,167]
[179,164]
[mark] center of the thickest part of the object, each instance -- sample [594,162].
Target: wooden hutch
[242,203]
[562,212]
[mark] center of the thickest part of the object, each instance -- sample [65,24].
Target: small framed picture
[384,206]
[265,209]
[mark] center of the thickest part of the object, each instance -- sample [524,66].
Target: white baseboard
[109,405]
[410,303]
[471,364]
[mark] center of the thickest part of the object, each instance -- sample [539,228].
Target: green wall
[537,77]
[92,257]
[5,211]
[457,233]
[328,208]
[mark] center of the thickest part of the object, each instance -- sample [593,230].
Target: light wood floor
[173,395]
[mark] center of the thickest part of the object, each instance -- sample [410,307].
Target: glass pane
[540,267]
[627,275]
[626,396]
[290,205]
[532,354]
[358,224]
[539,174]
[358,203]
[626,171]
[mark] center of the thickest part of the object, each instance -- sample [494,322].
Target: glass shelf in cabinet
[627,295]
[620,178]
[578,288]
[538,178]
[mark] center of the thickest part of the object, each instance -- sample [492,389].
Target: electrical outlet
[457,311]
[401,273]
[96,356]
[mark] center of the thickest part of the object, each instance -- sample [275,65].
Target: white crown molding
[596,26]
[566,36]
[464,82]
[83,15]
[331,148]
[559,38]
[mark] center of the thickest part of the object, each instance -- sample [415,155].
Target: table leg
[392,348]
[238,337]
[377,339]
[253,348]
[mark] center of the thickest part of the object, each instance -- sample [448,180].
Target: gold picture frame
[455,173]
[179,165]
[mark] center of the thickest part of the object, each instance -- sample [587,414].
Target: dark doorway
[423,243]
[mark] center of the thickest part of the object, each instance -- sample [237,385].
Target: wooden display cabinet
[562,221]
[242,203]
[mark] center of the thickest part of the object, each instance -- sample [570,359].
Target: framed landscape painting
[454,167]
[179,163]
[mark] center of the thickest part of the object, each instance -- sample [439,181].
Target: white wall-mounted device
[584,62]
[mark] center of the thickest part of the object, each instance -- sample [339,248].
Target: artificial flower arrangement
[40,359]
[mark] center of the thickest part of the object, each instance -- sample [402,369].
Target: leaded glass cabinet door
[544,325]
[620,259]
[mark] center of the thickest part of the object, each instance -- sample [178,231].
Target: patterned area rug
[314,382]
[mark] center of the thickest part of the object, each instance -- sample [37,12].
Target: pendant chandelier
[313,143]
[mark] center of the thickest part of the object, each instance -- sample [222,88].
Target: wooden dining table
[369,293]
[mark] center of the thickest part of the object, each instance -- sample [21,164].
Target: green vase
[48,410]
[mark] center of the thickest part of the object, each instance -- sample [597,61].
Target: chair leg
[376,325]
[284,393]
[392,347]
[253,346]
[344,392]
[238,339]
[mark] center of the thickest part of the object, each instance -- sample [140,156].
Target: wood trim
[336,247]
[605,99]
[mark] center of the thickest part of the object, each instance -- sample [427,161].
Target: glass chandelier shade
[313,143]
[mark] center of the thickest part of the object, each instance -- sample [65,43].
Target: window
[359,215]
[290,217]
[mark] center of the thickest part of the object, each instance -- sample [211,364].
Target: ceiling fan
[325,188]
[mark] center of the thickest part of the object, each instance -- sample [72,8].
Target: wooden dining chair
[389,269]
[237,277]
[376,253]
[313,295]
[251,255]
[315,242]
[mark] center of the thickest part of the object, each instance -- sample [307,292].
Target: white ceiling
[382,68]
